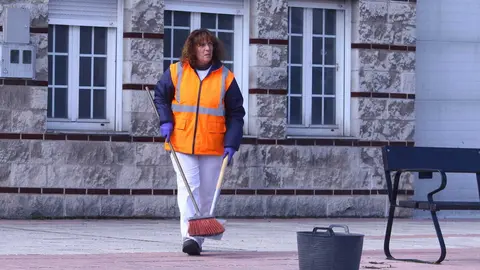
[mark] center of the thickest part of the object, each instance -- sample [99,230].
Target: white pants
[202,174]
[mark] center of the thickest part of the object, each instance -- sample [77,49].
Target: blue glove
[166,131]
[229,152]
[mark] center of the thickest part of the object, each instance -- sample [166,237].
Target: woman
[201,114]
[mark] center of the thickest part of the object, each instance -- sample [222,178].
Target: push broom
[198,225]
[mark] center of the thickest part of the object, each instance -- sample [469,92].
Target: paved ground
[257,244]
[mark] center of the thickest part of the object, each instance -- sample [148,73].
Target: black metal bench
[426,161]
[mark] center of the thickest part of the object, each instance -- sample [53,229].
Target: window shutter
[215,6]
[83,12]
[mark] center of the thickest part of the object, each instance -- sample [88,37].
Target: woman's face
[204,52]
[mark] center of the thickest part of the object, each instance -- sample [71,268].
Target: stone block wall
[130,175]
[383,79]
[383,70]
[143,63]
[268,80]
[23,104]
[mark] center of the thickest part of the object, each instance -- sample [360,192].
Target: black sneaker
[191,247]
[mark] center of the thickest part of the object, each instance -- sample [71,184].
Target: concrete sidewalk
[259,244]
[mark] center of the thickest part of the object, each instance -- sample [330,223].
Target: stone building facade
[301,157]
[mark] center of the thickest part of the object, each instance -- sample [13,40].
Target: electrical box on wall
[17,54]
[17,60]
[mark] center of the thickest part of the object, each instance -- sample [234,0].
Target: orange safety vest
[199,110]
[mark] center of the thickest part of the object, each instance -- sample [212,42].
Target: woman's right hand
[166,131]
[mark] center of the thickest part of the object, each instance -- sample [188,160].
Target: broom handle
[184,179]
[219,185]
[175,157]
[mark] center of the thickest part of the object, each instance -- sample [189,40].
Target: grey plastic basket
[324,249]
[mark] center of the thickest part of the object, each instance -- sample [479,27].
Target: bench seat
[440,205]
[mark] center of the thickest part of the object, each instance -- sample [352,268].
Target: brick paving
[259,244]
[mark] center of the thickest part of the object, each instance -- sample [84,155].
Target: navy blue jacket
[234,111]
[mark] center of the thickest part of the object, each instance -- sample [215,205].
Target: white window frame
[241,39]
[114,110]
[343,75]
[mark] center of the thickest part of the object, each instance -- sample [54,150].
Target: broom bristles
[205,227]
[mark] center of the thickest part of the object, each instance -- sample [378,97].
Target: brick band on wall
[264,41]
[33,30]
[268,91]
[23,82]
[172,192]
[389,47]
[143,35]
[246,140]
[256,91]
[382,95]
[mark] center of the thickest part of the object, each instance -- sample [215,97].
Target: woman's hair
[197,37]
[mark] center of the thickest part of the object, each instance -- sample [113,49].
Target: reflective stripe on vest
[220,111]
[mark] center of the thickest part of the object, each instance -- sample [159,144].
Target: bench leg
[388,233]
[443,249]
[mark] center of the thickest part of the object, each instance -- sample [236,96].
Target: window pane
[295,111]
[99,104]
[330,22]
[295,80]
[329,51]
[84,103]
[181,18]
[225,22]
[330,81]
[329,111]
[168,18]
[50,69]
[229,66]
[208,20]
[85,39]
[99,71]
[14,56]
[179,37]
[317,80]
[317,51]
[60,103]
[50,38]
[296,50]
[227,39]
[85,71]
[61,38]
[317,111]
[296,20]
[317,21]
[100,40]
[61,70]
[166,64]
[167,39]
[27,57]
[49,103]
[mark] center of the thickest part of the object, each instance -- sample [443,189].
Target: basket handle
[329,230]
[345,227]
